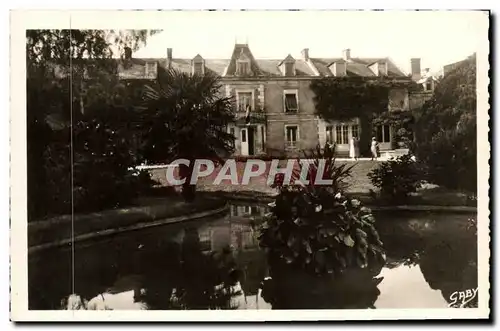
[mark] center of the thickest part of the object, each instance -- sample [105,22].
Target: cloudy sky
[437,37]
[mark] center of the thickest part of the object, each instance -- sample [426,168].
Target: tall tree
[187,118]
[446,130]
[59,63]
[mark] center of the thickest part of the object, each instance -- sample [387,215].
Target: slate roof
[356,66]
[262,67]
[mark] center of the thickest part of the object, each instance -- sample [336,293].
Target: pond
[217,264]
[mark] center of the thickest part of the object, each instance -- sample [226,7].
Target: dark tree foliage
[348,97]
[186,117]
[446,130]
[71,88]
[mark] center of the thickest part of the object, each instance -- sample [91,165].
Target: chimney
[169,58]
[346,54]
[305,54]
[415,69]
[127,53]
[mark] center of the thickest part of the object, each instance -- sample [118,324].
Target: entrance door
[342,134]
[251,140]
[244,141]
[384,137]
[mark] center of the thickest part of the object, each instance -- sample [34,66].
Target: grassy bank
[423,198]
[150,209]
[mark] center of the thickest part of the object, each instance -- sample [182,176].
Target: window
[198,68]
[383,134]
[244,101]
[329,134]
[292,135]
[231,131]
[342,134]
[339,69]
[244,136]
[289,69]
[242,68]
[248,239]
[428,86]
[291,102]
[382,68]
[355,131]
[151,69]
[206,240]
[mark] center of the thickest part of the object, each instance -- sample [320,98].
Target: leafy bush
[317,229]
[397,178]
[100,176]
[450,159]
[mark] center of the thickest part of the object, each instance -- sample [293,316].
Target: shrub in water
[316,228]
[397,178]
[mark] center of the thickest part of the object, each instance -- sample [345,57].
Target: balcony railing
[254,117]
[291,145]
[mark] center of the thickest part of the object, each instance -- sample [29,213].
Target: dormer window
[243,64]
[339,69]
[151,69]
[243,68]
[428,85]
[287,66]
[198,68]
[379,68]
[198,65]
[382,68]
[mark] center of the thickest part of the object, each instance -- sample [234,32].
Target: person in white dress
[374,149]
[352,154]
[354,148]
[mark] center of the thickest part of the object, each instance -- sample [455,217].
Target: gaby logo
[459,299]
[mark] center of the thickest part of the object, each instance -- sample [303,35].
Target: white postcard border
[22,20]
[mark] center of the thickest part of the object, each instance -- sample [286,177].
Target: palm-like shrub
[187,118]
[316,228]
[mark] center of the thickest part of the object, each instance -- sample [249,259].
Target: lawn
[358,182]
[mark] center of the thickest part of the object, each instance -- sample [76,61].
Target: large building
[274,102]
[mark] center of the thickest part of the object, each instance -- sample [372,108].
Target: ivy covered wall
[375,101]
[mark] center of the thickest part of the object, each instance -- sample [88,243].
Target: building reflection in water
[237,236]
[218,265]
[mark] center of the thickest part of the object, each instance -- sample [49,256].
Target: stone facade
[274,104]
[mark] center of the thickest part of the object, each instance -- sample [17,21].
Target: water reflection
[217,264]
